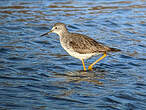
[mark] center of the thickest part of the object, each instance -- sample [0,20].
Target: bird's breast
[65,44]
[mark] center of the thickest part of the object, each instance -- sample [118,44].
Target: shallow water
[36,73]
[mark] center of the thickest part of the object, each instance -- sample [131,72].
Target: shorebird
[80,46]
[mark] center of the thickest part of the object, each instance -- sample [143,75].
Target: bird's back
[84,44]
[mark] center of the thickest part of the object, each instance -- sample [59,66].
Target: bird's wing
[83,44]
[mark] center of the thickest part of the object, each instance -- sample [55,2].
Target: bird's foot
[90,68]
[85,69]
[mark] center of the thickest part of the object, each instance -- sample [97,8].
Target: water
[37,74]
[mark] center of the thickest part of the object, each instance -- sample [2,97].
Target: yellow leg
[83,65]
[90,67]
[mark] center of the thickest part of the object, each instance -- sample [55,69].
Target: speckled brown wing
[83,44]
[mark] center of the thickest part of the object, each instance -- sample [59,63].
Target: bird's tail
[114,50]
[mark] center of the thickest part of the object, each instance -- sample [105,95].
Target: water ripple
[16,78]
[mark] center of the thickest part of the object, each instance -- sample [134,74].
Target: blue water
[37,74]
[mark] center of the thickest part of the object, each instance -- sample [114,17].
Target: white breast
[76,54]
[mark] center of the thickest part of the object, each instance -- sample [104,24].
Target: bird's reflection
[76,77]
[83,76]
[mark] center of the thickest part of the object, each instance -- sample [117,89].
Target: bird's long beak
[46,33]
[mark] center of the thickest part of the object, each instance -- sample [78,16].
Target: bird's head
[58,28]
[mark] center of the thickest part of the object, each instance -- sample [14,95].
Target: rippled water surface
[36,73]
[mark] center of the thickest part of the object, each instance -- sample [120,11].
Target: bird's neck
[63,33]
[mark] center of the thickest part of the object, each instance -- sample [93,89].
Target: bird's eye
[55,27]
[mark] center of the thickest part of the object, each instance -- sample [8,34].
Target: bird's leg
[83,65]
[90,67]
